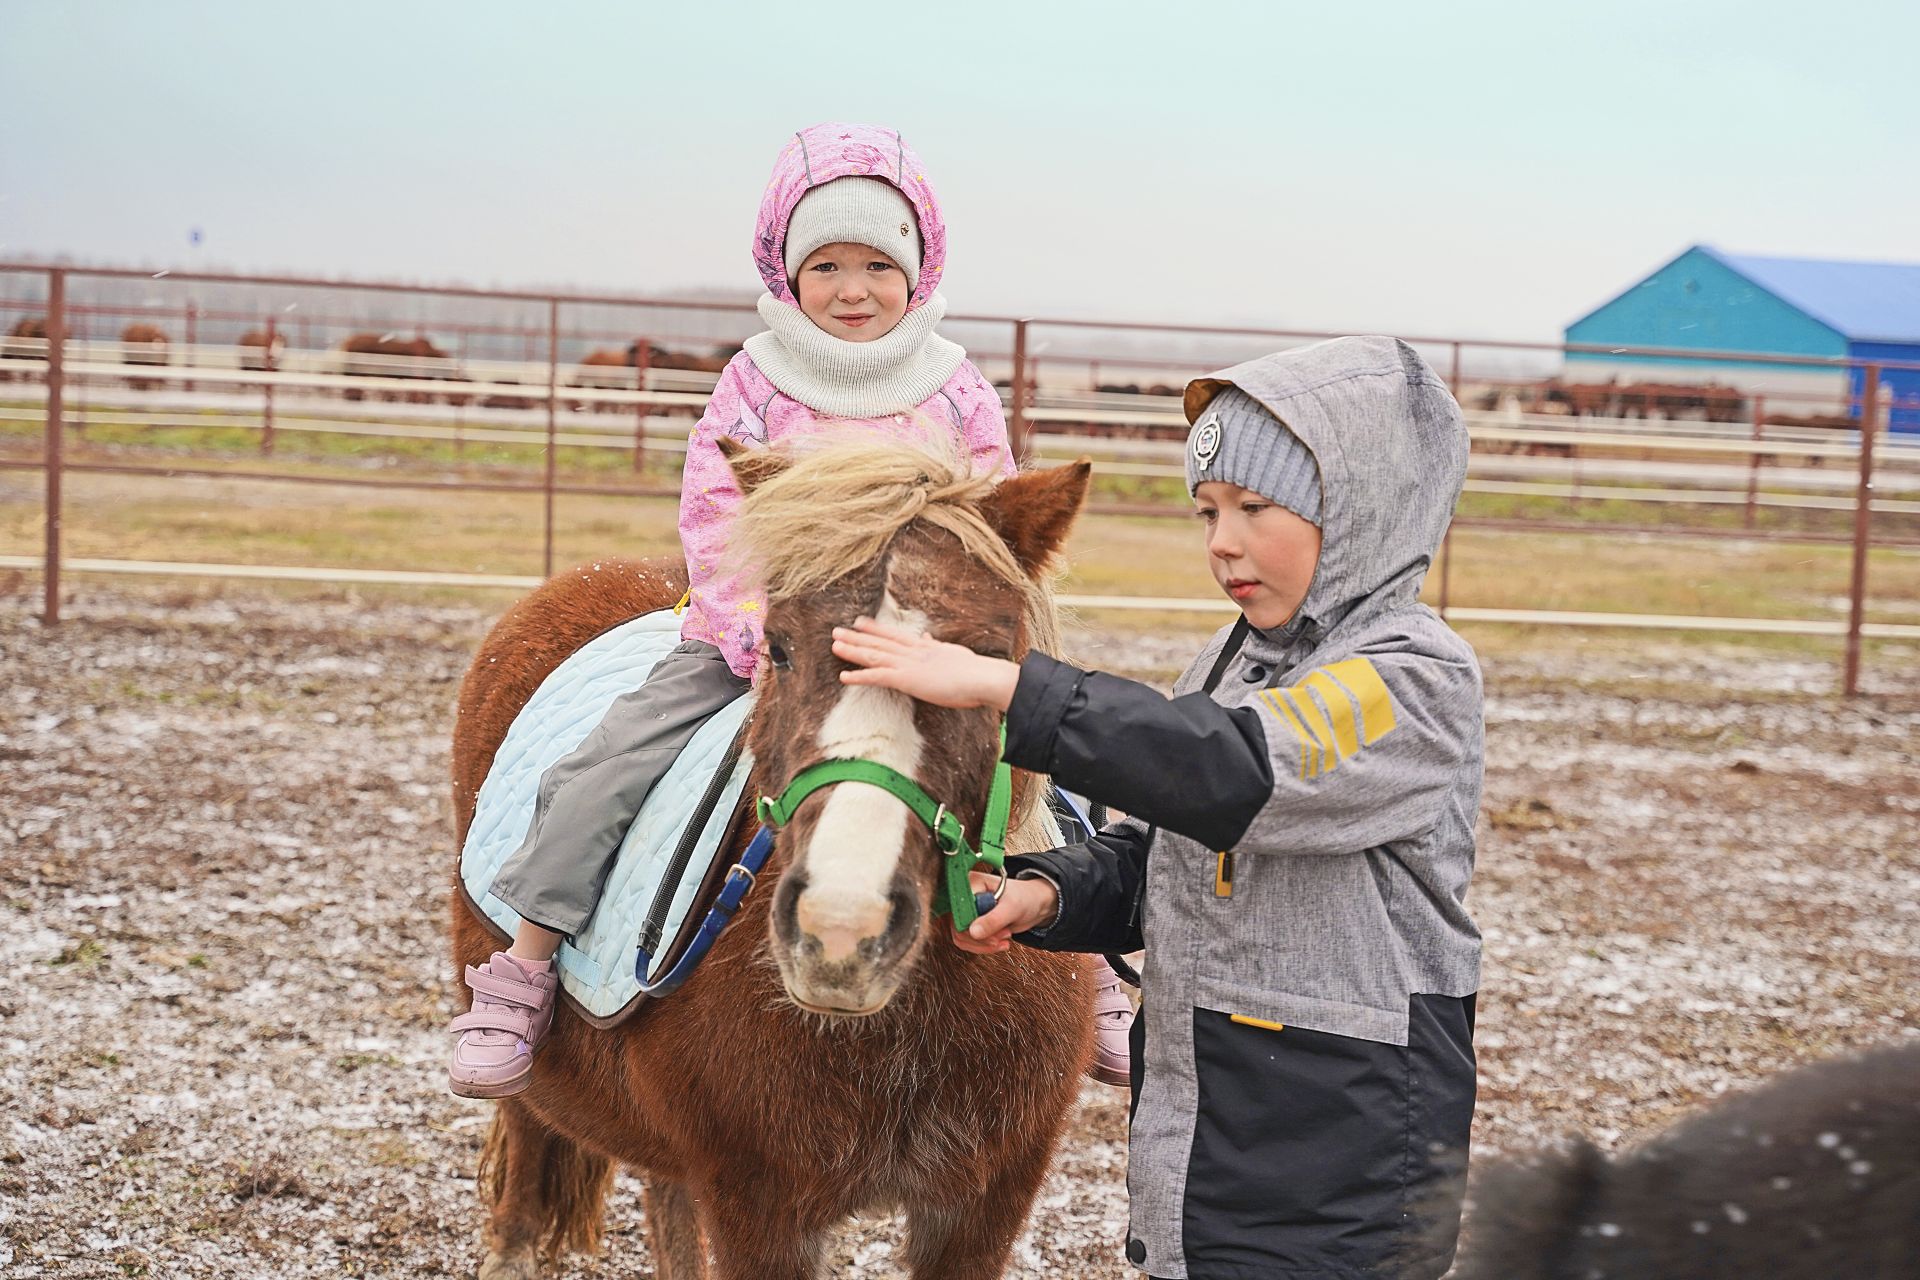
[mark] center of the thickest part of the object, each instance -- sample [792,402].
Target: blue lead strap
[733,892]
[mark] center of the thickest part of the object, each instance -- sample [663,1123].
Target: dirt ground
[224,843]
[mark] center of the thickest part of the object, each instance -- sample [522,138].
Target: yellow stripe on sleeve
[1369,692]
[1309,750]
[1342,708]
[1303,706]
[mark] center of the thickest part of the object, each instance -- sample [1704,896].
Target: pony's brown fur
[774,1122]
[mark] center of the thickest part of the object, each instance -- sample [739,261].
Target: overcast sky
[1477,168]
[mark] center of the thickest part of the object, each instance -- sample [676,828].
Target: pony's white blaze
[857,842]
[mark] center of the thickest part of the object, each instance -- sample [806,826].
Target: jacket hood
[1392,450]
[828,151]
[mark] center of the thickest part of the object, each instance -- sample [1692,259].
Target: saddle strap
[739,882]
[655,923]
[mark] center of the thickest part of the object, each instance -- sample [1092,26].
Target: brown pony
[835,1053]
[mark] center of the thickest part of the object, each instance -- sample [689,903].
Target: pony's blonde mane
[835,508]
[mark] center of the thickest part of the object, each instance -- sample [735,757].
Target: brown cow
[27,327]
[393,357]
[255,352]
[142,343]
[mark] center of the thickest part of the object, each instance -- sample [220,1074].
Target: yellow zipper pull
[1223,874]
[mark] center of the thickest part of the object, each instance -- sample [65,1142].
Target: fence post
[1017,415]
[642,362]
[1753,459]
[266,392]
[193,357]
[1862,528]
[56,430]
[553,392]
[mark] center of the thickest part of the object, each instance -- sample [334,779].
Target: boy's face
[852,291]
[1262,555]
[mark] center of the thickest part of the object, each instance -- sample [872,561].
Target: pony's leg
[973,1239]
[547,1192]
[673,1228]
[759,1233]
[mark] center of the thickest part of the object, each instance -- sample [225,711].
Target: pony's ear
[751,467]
[1034,511]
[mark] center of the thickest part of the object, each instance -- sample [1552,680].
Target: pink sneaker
[1112,1020]
[512,1009]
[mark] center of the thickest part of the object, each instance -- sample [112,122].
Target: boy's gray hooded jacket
[1337,762]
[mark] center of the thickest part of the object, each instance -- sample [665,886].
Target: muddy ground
[224,841]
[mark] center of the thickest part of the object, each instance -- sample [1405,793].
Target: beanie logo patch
[905,230]
[1206,441]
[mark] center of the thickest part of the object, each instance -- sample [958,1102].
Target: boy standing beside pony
[1303,1066]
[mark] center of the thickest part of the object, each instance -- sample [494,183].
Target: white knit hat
[869,211]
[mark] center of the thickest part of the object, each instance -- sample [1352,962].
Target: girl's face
[1262,555]
[852,291]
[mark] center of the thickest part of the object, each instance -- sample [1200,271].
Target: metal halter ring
[1002,886]
[939,816]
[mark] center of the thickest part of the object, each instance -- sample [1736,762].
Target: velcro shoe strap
[1111,999]
[495,1017]
[511,990]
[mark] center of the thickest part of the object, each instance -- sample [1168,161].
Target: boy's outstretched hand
[947,675]
[1023,905]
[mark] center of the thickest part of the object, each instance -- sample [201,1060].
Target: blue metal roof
[1864,301]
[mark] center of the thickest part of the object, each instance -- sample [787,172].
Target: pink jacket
[721,610]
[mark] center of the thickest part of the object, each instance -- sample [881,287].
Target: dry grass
[184,518]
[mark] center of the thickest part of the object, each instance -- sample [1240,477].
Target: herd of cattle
[392,356]
[387,356]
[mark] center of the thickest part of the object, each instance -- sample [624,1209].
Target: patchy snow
[224,845]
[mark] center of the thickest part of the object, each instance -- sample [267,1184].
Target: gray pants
[589,798]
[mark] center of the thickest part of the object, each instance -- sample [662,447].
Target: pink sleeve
[983,428]
[721,610]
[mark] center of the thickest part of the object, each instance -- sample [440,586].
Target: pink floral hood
[828,151]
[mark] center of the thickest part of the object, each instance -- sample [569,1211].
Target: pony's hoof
[521,1264]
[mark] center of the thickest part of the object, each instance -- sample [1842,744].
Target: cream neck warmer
[899,370]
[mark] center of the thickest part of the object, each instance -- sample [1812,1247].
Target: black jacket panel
[1187,764]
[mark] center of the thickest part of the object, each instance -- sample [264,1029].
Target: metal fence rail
[474,398]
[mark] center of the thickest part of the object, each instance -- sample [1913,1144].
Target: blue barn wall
[1902,384]
[1698,303]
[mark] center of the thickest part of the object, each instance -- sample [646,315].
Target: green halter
[954,894]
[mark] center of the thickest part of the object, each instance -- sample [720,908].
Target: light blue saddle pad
[597,968]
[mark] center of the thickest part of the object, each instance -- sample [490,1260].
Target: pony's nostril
[905,915]
[841,928]
[786,896]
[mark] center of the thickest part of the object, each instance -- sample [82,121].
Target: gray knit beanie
[869,211]
[1238,441]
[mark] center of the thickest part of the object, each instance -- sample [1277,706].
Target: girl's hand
[947,675]
[1024,904]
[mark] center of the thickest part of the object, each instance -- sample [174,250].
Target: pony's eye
[777,652]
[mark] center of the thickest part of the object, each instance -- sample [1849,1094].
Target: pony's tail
[571,1187]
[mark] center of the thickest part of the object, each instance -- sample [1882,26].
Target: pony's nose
[839,925]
